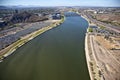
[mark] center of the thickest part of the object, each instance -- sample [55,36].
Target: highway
[108,26]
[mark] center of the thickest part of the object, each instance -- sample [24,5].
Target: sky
[103,3]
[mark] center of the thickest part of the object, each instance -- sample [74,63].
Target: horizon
[52,3]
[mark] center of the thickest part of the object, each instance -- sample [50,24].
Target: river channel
[57,54]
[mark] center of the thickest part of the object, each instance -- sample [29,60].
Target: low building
[56,16]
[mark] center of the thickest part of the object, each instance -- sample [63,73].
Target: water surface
[57,54]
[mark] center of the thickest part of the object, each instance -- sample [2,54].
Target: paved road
[109,26]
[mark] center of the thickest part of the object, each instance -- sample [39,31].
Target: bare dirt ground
[113,18]
[105,59]
[109,45]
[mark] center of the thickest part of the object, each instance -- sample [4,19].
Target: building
[56,16]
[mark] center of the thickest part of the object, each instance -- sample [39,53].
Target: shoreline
[23,40]
[87,51]
[88,59]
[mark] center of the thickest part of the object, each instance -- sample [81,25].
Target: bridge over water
[71,14]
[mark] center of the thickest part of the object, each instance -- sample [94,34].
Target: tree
[90,30]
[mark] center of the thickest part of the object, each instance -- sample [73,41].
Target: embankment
[11,48]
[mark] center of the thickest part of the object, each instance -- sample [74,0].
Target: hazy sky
[62,2]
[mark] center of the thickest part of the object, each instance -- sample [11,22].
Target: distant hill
[11,7]
[3,7]
[26,17]
[23,17]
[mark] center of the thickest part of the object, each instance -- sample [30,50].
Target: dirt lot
[106,59]
[109,45]
[111,17]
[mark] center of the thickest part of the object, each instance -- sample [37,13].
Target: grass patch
[90,30]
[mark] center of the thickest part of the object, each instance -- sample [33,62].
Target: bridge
[71,14]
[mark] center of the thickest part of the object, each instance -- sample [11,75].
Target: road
[109,26]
